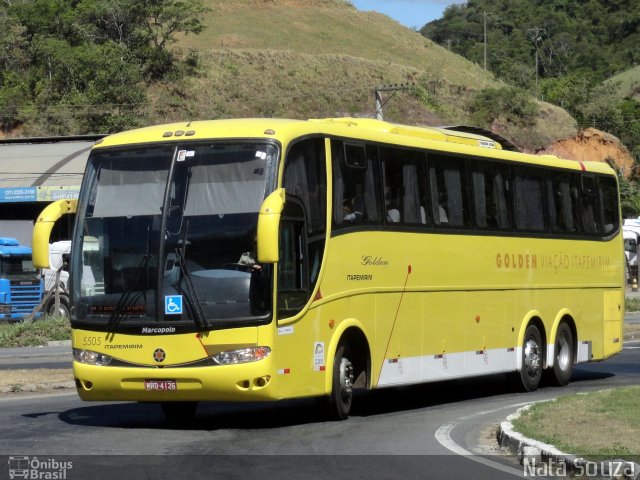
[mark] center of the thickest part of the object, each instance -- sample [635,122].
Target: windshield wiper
[190,294]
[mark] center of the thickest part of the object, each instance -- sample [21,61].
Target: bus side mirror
[269,227]
[42,230]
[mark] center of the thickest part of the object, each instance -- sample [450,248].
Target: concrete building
[35,172]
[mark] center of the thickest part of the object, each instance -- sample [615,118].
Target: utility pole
[484,15]
[388,88]
[536,37]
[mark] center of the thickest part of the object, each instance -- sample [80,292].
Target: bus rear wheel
[532,359]
[563,356]
[342,385]
[179,412]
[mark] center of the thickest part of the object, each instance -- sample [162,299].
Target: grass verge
[593,425]
[36,333]
[632,304]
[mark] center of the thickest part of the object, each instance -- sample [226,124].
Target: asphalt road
[36,357]
[440,430]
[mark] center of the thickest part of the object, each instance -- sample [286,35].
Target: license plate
[160,385]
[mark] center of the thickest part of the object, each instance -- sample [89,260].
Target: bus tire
[341,396]
[179,412]
[563,356]
[532,359]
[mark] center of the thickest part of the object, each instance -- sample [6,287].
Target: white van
[56,252]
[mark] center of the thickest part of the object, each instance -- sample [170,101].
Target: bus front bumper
[241,382]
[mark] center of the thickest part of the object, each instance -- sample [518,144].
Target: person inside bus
[248,259]
[353,210]
[442,211]
[393,213]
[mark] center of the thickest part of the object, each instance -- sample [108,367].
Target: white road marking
[443,436]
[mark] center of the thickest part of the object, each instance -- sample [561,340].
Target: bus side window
[590,205]
[562,209]
[448,185]
[293,286]
[405,185]
[303,225]
[529,200]
[609,199]
[490,192]
[355,184]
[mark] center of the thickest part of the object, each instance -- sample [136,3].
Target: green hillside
[311,58]
[86,66]
[327,27]
[628,83]
[564,51]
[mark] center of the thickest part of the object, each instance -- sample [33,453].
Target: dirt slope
[594,145]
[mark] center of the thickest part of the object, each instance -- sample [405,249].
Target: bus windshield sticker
[173,305]
[184,154]
[261,155]
[318,356]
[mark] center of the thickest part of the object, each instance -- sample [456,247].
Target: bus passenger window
[529,201]
[609,199]
[490,192]
[405,185]
[590,205]
[448,185]
[562,204]
[355,190]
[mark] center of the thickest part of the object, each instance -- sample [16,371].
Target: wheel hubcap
[563,349]
[346,379]
[532,358]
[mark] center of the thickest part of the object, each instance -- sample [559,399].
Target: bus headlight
[244,355]
[91,358]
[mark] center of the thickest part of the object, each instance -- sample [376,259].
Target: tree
[82,66]
[14,64]
[147,27]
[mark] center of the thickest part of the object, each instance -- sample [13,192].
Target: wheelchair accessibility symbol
[173,305]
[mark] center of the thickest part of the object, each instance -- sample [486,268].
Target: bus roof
[463,140]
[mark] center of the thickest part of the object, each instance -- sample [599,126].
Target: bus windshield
[167,234]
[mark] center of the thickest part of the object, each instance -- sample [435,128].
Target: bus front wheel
[341,385]
[532,359]
[563,356]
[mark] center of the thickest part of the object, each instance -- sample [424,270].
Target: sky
[410,13]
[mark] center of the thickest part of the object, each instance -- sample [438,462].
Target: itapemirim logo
[21,466]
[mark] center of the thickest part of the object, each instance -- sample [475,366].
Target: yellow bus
[267,259]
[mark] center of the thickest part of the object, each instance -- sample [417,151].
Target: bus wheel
[563,361]
[342,385]
[179,412]
[532,359]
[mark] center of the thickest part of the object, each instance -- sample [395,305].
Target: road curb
[539,455]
